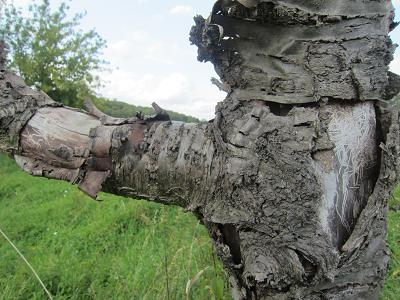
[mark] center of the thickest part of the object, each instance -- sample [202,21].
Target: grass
[392,287]
[115,249]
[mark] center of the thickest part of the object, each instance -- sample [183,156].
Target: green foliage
[49,51]
[115,249]
[124,110]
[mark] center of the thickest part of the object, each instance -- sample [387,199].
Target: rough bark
[292,176]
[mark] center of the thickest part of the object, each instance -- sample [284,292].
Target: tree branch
[148,158]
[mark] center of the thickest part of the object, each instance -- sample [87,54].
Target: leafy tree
[51,53]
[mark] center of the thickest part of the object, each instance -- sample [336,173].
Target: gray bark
[292,176]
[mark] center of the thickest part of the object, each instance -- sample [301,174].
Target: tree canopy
[51,53]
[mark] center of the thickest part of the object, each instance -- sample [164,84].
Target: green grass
[115,249]
[392,287]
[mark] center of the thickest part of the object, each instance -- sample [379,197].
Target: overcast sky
[150,56]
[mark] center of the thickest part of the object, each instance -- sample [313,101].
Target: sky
[151,59]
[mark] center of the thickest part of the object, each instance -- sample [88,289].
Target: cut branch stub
[161,114]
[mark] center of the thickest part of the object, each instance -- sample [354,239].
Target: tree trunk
[292,176]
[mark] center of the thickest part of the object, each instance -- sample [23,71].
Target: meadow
[117,248]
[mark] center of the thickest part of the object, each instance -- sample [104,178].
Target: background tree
[51,53]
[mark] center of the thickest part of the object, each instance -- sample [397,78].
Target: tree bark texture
[292,176]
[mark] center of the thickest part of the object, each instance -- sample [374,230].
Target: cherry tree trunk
[292,176]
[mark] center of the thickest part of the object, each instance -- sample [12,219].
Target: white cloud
[20,3]
[140,47]
[173,91]
[182,10]
[395,64]
[147,69]
[146,88]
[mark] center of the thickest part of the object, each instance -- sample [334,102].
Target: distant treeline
[124,110]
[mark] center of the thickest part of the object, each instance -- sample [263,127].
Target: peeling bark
[299,51]
[292,176]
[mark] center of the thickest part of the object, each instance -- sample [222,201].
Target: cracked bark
[292,176]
